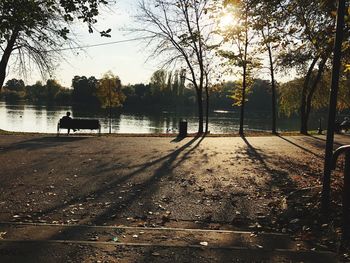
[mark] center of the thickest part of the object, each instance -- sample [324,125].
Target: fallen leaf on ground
[2,234]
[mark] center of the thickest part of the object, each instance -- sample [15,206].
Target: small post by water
[182,128]
[319,131]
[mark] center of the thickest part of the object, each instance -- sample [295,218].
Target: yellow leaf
[347,68]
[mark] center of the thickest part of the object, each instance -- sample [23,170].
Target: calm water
[34,118]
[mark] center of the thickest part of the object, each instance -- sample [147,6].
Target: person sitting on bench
[67,119]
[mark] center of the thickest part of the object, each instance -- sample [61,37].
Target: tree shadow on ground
[40,143]
[163,167]
[278,178]
[298,212]
[316,143]
[302,145]
[276,166]
[178,139]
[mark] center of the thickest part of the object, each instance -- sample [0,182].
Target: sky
[127,60]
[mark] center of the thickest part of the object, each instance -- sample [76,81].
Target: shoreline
[236,134]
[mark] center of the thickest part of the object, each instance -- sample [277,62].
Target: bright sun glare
[227,20]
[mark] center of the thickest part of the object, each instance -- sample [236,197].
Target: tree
[268,22]
[15,85]
[53,88]
[290,93]
[36,30]
[142,90]
[36,93]
[51,92]
[158,83]
[311,24]
[241,36]
[180,31]
[338,41]
[84,90]
[109,91]
[14,89]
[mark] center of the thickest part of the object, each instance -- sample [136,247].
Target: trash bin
[183,128]
[337,127]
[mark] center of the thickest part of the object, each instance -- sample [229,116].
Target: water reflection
[36,118]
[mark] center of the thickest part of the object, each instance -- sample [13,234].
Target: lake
[34,118]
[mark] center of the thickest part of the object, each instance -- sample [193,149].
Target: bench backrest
[79,124]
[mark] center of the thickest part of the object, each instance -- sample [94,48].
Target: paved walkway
[229,183]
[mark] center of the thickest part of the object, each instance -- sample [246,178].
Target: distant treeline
[165,90]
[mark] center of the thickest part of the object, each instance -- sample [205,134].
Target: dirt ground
[205,183]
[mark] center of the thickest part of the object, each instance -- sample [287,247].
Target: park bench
[79,124]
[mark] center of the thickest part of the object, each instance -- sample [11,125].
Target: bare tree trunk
[6,56]
[241,119]
[273,91]
[206,109]
[200,111]
[244,83]
[326,188]
[303,126]
[313,88]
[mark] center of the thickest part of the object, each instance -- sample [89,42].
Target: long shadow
[40,143]
[145,189]
[178,139]
[300,147]
[102,190]
[278,178]
[297,199]
[325,140]
[186,155]
[318,138]
[149,185]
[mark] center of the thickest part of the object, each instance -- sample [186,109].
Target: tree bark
[326,187]
[244,83]
[313,89]
[207,110]
[200,111]
[303,126]
[6,56]
[273,91]
[241,119]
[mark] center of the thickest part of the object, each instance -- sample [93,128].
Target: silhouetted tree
[310,26]
[240,36]
[15,85]
[84,90]
[14,89]
[180,32]
[38,29]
